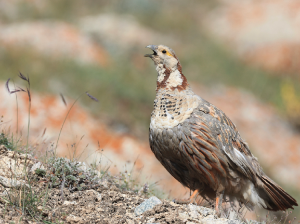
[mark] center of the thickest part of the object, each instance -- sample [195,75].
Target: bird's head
[168,68]
[163,55]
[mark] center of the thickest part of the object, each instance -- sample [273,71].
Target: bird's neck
[171,78]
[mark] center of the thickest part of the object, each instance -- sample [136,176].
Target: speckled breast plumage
[172,108]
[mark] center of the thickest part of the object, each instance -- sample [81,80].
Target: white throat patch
[175,79]
[161,72]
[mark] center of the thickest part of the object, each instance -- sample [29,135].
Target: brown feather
[280,200]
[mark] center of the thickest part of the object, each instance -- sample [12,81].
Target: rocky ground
[110,205]
[63,192]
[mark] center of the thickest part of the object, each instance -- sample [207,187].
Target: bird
[201,147]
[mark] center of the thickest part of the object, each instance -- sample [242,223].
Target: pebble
[69,203]
[147,205]
[37,165]
[184,215]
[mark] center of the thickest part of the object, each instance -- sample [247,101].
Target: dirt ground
[62,191]
[109,205]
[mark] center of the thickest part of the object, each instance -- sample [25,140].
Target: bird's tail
[275,196]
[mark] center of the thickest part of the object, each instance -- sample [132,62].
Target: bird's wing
[200,147]
[223,131]
[208,144]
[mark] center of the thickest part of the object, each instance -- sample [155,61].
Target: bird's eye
[164,51]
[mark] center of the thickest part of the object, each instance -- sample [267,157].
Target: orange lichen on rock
[249,26]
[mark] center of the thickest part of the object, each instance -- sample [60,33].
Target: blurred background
[241,55]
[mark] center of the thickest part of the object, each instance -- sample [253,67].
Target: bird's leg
[219,199]
[187,201]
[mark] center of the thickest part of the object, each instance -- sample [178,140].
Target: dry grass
[56,172]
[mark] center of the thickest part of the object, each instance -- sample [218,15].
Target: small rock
[73,218]
[83,166]
[151,220]
[10,154]
[99,209]
[147,205]
[8,164]
[69,203]
[98,195]
[104,183]
[192,207]
[210,219]
[205,211]
[174,204]
[129,221]
[38,165]
[184,215]
[12,183]
[25,156]
[42,210]
[194,214]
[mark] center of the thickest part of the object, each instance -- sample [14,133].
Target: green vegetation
[5,141]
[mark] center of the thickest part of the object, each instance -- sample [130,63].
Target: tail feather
[275,196]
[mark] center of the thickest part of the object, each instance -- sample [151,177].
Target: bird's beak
[153,48]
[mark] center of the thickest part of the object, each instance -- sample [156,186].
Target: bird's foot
[187,201]
[218,212]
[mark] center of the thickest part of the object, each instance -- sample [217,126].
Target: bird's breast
[172,108]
